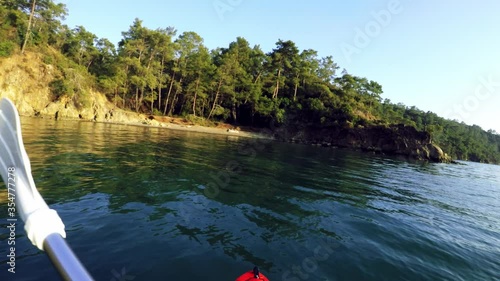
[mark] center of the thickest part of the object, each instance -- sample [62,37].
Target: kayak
[252,275]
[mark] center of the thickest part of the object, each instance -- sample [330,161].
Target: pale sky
[441,56]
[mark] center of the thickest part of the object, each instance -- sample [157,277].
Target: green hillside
[165,72]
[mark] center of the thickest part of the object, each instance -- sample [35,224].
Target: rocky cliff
[394,140]
[25,79]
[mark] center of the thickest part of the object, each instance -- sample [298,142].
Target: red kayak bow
[252,275]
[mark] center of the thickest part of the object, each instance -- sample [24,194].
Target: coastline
[171,124]
[417,151]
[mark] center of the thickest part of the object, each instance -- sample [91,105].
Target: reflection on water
[192,206]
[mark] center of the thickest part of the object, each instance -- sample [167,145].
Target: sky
[440,56]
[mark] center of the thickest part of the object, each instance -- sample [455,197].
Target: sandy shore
[129,118]
[209,130]
[181,124]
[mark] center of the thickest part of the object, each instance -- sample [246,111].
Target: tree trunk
[195,95]
[257,78]
[136,99]
[296,87]
[28,30]
[141,97]
[152,101]
[183,104]
[125,86]
[174,99]
[275,94]
[89,64]
[169,91]
[295,92]
[203,107]
[215,100]
[159,84]
[233,113]
[124,93]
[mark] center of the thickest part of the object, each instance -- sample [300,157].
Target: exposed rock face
[24,79]
[395,139]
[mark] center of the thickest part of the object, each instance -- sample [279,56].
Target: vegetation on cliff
[159,72]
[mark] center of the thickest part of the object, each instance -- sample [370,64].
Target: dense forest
[164,72]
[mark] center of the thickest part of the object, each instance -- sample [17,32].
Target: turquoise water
[156,204]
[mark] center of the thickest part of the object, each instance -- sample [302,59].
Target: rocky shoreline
[391,140]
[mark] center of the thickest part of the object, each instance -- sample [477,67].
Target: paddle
[43,225]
